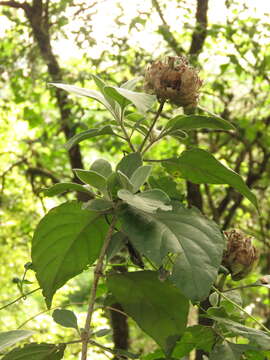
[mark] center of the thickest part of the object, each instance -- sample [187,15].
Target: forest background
[68,41]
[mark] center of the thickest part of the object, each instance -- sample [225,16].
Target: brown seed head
[241,256]
[174,80]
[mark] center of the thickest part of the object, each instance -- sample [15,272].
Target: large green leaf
[186,232]
[149,201]
[65,242]
[142,101]
[102,167]
[88,134]
[36,351]
[60,188]
[192,122]
[9,338]
[201,167]
[158,307]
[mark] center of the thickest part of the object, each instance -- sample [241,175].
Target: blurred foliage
[116,40]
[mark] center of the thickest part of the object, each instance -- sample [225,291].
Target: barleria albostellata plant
[179,257]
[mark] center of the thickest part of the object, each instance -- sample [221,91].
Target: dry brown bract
[241,256]
[174,80]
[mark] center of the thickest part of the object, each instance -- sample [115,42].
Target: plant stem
[97,273]
[152,125]
[19,298]
[126,137]
[241,309]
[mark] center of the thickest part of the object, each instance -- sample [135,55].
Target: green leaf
[95,95]
[259,337]
[113,185]
[36,351]
[186,232]
[124,180]
[102,167]
[88,134]
[125,353]
[92,178]
[228,351]
[129,164]
[192,122]
[124,97]
[200,167]
[9,338]
[98,205]
[65,318]
[116,244]
[153,304]
[149,201]
[102,332]
[167,185]
[131,84]
[65,242]
[195,337]
[140,176]
[61,188]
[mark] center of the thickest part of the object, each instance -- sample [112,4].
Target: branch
[200,32]
[166,33]
[97,273]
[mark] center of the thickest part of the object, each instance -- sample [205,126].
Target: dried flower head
[174,80]
[241,256]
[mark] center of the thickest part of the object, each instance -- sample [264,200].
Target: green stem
[241,309]
[161,105]
[97,274]
[19,298]
[126,137]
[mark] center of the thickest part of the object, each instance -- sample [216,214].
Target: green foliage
[36,352]
[10,338]
[153,304]
[65,318]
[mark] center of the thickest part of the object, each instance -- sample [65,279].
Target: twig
[97,274]
[152,125]
[19,298]
[241,309]
[125,132]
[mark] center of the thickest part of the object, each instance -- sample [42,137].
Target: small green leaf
[102,167]
[102,332]
[140,176]
[116,244]
[149,201]
[153,304]
[65,242]
[129,164]
[91,178]
[10,338]
[61,188]
[124,180]
[124,97]
[98,205]
[192,122]
[229,351]
[167,185]
[200,167]
[36,351]
[113,185]
[65,318]
[88,134]
[131,84]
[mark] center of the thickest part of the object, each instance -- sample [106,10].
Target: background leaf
[129,164]
[65,242]
[9,338]
[60,188]
[200,167]
[192,122]
[153,304]
[37,352]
